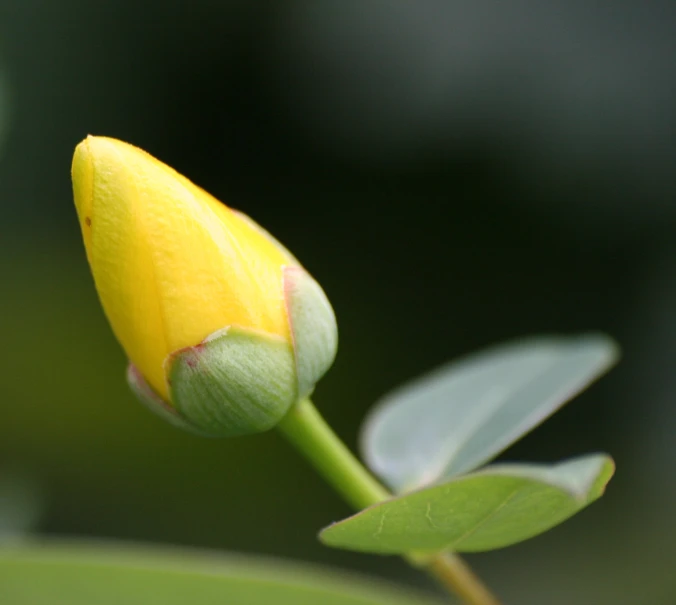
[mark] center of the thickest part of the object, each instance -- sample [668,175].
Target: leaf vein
[487,518]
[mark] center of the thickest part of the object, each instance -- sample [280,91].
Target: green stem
[307,430]
[455,575]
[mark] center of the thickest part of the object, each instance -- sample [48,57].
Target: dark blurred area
[453,173]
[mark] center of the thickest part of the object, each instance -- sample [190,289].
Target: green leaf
[489,509]
[86,575]
[465,413]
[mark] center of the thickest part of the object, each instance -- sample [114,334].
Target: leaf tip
[605,475]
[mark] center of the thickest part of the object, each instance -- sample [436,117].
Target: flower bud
[223,328]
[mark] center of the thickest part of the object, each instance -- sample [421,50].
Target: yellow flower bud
[174,268]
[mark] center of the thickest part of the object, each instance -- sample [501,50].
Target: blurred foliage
[69,574]
[454,175]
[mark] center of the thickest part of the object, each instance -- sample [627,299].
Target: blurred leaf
[489,509]
[468,411]
[84,575]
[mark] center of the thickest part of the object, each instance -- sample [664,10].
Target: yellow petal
[170,262]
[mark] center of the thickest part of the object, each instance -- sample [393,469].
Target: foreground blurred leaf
[468,411]
[88,575]
[489,509]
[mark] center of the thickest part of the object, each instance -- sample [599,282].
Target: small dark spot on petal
[88,221]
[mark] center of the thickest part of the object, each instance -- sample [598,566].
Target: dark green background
[453,173]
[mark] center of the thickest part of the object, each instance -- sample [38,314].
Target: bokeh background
[455,173]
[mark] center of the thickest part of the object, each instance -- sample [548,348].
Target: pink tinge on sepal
[288,284]
[290,275]
[189,355]
[312,327]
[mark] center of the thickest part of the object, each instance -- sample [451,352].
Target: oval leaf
[464,414]
[82,575]
[489,509]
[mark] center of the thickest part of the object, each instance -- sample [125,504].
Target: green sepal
[313,327]
[148,397]
[237,382]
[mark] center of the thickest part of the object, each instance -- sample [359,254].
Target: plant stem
[454,574]
[307,430]
[305,427]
